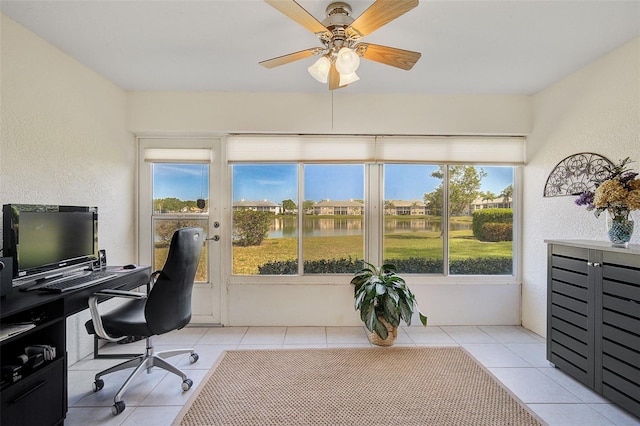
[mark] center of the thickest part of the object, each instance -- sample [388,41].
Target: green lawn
[397,246]
[425,244]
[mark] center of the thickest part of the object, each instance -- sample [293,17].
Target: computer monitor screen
[45,238]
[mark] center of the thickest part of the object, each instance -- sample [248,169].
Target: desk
[40,396]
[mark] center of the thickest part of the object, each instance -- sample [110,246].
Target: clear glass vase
[619,229]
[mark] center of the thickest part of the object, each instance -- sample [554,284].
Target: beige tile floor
[514,355]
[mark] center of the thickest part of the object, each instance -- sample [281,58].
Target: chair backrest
[168,306]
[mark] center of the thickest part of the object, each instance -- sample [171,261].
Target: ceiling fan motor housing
[337,20]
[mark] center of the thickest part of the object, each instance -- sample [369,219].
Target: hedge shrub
[477,266]
[492,231]
[481,217]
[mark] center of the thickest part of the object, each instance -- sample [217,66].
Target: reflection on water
[287,226]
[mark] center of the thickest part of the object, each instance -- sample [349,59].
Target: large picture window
[309,215]
[437,219]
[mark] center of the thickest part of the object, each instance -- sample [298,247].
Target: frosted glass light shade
[320,69]
[347,61]
[348,78]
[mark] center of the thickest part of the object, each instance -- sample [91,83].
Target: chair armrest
[120,293]
[95,314]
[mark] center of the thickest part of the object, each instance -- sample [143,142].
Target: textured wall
[64,141]
[596,109]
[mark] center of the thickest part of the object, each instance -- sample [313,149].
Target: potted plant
[383,299]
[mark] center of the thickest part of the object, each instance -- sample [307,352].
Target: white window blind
[300,148]
[451,149]
[436,149]
[178,155]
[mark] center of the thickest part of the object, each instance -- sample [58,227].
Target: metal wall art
[576,174]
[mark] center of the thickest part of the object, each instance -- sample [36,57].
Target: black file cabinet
[593,317]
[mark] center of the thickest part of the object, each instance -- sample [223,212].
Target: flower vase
[619,230]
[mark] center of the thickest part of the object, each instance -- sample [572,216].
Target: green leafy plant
[250,227]
[381,293]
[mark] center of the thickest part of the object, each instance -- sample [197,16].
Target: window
[178,201]
[480,220]
[335,201]
[334,227]
[413,233]
[265,219]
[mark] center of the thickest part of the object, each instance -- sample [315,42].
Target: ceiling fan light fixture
[320,69]
[347,61]
[348,78]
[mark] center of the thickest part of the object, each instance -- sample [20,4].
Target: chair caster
[97,385]
[186,385]
[193,357]
[117,408]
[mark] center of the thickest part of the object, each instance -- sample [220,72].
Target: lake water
[286,227]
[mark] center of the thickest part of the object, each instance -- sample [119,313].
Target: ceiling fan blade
[296,12]
[285,59]
[378,14]
[334,77]
[398,58]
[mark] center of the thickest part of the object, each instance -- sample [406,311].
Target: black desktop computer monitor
[44,240]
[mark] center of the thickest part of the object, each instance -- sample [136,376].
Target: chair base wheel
[193,357]
[186,385]
[97,385]
[118,408]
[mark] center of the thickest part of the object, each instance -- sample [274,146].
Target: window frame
[374,233]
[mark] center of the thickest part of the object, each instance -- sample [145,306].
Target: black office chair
[166,307]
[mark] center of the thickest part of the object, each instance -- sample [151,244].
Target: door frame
[215,290]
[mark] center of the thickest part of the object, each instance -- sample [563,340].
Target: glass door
[176,192]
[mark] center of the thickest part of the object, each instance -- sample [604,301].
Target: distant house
[333,208]
[258,206]
[405,208]
[497,203]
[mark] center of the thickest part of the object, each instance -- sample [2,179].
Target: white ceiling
[506,47]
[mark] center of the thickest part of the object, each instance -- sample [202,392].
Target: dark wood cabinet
[593,317]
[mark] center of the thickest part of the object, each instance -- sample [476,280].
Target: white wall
[64,141]
[319,303]
[596,109]
[179,113]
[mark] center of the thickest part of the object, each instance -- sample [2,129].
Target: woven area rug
[352,386]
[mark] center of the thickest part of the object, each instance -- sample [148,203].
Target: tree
[389,206]
[167,205]
[488,196]
[165,228]
[464,187]
[288,206]
[506,194]
[308,205]
[250,227]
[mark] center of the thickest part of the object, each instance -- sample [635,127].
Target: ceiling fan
[340,34]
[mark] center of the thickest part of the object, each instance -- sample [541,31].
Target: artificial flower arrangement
[618,193]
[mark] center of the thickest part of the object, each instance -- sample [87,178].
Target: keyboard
[93,278]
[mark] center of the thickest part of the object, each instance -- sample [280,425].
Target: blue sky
[335,182]
[183,181]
